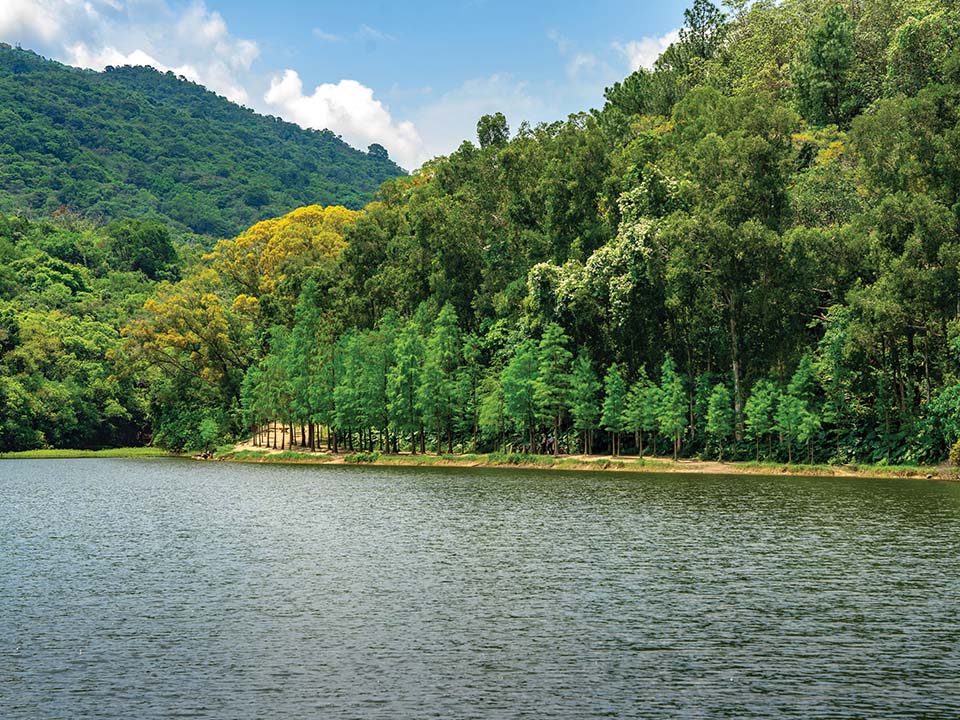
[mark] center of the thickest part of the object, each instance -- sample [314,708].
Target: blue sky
[414,76]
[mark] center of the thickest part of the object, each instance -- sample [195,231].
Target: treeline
[752,249]
[132,142]
[764,228]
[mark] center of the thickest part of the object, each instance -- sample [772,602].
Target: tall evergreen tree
[438,383]
[720,416]
[824,81]
[585,399]
[672,414]
[552,387]
[519,379]
[614,406]
[403,383]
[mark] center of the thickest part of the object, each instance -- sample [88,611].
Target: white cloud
[193,42]
[325,36]
[349,109]
[644,52]
[29,19]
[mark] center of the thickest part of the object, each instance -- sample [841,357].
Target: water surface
[169,588]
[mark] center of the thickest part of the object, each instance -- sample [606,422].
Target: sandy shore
[247,452]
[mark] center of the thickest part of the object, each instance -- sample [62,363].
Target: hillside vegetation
[132,142]
[751,251]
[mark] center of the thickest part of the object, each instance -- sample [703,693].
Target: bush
[955,454]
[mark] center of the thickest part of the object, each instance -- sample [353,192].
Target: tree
[492,414]
[438,383]
[720,416]
[703,30]
[552,387]
[303,360]
[795,416]
[585,399]
[378,151]
[826,91]
[672,414]
[519,379]
[403,383]
[493,131]
[641,412]
[144,245]
[759,412]
[614,406]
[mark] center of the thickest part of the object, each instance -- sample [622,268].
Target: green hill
[135,142]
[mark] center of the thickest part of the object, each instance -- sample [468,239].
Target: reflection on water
[168,588]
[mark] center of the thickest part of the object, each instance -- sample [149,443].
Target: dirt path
[624,463]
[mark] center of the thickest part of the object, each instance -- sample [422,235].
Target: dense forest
[751,251]
[132,142]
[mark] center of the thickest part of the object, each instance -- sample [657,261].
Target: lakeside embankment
[245,452]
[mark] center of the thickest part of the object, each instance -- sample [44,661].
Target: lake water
[170,588]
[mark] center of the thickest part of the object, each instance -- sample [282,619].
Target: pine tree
[672,414]
[552,387]
[760,410]
[720,416]
[438,383]
[438,387]
[585,399]
[403,383]
[642,403]
[614,406]
[519,381]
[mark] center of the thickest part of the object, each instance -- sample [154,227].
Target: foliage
[770,215]
[131,142]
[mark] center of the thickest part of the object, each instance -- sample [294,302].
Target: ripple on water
[166,588]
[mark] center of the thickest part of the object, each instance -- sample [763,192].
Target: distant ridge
[135,142]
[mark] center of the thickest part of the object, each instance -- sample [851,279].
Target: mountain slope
[134,142]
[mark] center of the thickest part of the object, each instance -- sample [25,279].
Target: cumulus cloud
[193,41]
[348,108]
[644,52]
[29,19]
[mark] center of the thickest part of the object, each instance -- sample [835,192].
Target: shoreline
[246,453]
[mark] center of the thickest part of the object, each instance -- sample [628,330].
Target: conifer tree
[403,383]
[438,383]
[585,399]
[672,414]
[720,416]
[641,411]
[614,406]
[519,379]
[760,410]
[552,386]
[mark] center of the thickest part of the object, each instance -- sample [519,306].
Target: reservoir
[169,588]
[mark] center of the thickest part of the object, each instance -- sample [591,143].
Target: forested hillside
[751,250]
[134,142]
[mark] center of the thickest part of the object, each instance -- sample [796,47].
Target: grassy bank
[581,462]
[134,452]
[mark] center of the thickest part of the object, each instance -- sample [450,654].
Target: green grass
[47,454]
[857,468]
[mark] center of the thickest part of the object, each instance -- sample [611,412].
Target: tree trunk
[737,393]
[556,437]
